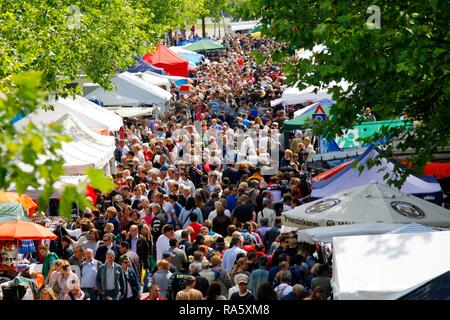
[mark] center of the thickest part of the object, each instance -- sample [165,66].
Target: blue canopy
[22,114]
[187,41]
[142,66]
[350,177]
[194,58]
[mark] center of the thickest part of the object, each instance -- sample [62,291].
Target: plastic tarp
[328,145]
[87,149]
[109,98]
[367,130]
[349,177]
[171,62]
[89,113]
[129,85]
[372,202]
[331,172]
[143,66]
[436,289]
[387,266]
[326,234]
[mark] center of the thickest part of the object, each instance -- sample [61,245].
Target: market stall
[387,266]
[371,202]
[350,177]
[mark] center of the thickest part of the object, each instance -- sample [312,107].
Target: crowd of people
[196,209]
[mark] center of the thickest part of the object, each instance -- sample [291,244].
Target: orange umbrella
[24,199]
[24,230]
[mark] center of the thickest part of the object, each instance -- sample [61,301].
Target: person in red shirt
[148,153]
[195,226]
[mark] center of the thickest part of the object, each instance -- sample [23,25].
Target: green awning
[203,45]
[9,211]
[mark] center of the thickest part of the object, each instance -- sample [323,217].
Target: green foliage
[30,156]
[70,196]
[401,67]
[65,39]
[99,181]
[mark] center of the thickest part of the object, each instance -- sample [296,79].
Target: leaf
[278,56]
[99,181]
[434,4]
[69,196]
[320,29]
[258,56]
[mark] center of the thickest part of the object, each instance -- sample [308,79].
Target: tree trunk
[169,33]
[203,27]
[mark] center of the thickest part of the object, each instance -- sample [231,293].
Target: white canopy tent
[372,202]
[126,112]
[293,95]
[112,99]
[89,113]
[385,267]
[155,80]
[87,149]
[129,85]
[326,234]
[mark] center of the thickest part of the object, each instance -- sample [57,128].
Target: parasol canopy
[24,230]
[12,206]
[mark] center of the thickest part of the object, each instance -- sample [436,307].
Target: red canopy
[172,63]
[331,172]
[437,169]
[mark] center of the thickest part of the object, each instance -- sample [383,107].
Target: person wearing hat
[243,294]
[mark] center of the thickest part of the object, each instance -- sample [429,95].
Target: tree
[399,66]
[30,157]
[64,39]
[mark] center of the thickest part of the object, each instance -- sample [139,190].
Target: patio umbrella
[9,211]
[24,230]
[7,200]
